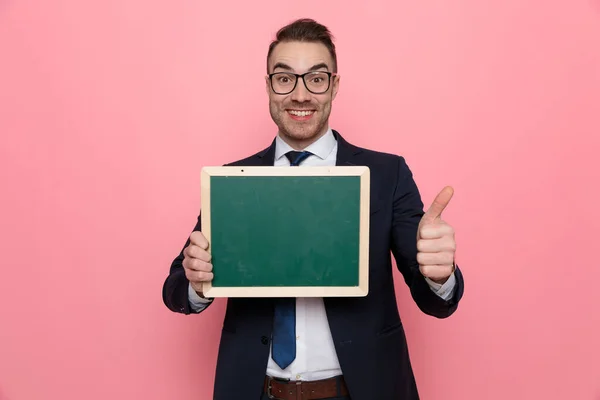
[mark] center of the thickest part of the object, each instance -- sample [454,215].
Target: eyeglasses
[316,82]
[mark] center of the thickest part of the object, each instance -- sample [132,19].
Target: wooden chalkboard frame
[362,172]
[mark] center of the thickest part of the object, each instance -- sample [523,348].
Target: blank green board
[286,231]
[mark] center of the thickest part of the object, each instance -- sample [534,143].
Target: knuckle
[189,251]
[203,266]
[205,276]
[192,263]
[448,243]
[200,265]
[427,270]
[193,251]
[204,255]
[188,263]
[452,246]
[194,276]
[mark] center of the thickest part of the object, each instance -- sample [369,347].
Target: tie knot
[296,157]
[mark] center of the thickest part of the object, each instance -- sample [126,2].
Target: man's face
[301,116]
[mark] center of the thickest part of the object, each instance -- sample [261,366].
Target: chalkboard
[286,231]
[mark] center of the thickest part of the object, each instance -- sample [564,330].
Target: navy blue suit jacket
[367,331]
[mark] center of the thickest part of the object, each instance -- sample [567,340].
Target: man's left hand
[435,241]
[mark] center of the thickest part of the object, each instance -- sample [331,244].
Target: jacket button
[264,340]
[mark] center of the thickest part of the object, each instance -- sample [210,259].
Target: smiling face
[301,116]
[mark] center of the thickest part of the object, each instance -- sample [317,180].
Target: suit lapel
[267,156]
[346,151]
[346,156]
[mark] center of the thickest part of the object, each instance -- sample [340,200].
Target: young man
[340,348]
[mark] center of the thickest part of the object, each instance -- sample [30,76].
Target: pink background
[108,111]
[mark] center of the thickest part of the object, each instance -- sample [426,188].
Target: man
[344,348]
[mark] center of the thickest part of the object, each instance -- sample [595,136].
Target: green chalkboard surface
[286,231]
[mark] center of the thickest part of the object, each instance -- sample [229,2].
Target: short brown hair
[305,30]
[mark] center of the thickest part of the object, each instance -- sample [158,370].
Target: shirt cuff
[446,290]
[197,303]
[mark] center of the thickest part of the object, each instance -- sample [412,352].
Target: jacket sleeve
[176,285]
[407,213]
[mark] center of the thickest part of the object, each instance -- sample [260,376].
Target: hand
[196,262]
[435,241]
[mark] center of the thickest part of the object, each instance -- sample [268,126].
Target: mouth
[301,115]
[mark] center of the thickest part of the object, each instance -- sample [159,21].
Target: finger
[435,231]
[442,258]
[198,276]
[445,243]
[197,286]
[198,239]
[439,204]
[436,271]
[197,265]
[194,251]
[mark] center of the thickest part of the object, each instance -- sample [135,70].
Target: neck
[301,144]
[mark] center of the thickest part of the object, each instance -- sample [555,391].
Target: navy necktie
[284,322]
[296,157]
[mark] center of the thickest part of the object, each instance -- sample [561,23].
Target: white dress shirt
[315,352]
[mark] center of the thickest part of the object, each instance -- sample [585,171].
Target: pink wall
[109,109]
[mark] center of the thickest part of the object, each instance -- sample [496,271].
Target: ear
[267,85]
[336,87]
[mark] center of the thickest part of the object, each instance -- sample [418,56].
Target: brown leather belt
[278,389]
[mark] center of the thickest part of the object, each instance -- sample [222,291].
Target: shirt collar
[321,148]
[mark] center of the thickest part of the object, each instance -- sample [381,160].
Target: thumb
[197,238]
[439,204]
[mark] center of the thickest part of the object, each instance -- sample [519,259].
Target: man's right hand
[196,262]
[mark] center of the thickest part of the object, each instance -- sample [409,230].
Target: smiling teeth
[301,113]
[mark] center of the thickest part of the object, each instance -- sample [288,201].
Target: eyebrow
[288,68]
[319,66]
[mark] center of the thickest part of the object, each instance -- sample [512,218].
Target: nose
[300,93]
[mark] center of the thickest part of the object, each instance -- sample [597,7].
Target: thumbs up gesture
[435,241]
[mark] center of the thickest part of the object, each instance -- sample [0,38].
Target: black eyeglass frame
[301,76]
